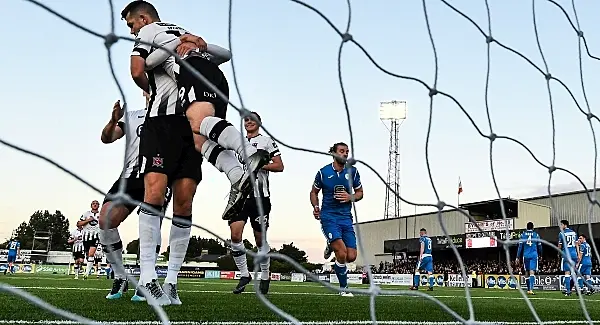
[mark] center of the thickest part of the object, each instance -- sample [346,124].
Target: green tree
[133,247]
[294,253]
[54,223]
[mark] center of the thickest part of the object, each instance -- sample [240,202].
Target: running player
[584,262]
[567,241]
[530,250]
[117,127]
[336,211]
[425,262]
[76,241]
[251,211]
[89,222]
[14,249]
[205,110]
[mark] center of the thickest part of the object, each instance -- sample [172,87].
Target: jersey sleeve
[318,180]
[520,249]
[356,179]
[272,148]
[146,35]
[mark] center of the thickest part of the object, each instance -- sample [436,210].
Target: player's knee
[196,112]
[341,256]
[236,231]
[112,215]
[350,255]
[155,186]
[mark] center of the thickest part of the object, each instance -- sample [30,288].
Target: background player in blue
[335,212]
[530,249]
[584,264]
[14,249]
[567,241]
[425,262]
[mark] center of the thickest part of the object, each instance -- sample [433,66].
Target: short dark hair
[423,229]
[140,6]
[334,148]
[584,236]
[257,116]
[565,222]
[529,225]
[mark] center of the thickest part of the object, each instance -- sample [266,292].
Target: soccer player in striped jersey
[204,110]
[584,262]
[76,241]
[14,249]
[567,241]
[425,262]
[529,251]
[98,257]
[89,222]
[118,127]
[250,210]
[335,213]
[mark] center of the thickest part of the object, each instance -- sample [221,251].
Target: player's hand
[317,212]
[517,261]
[117,112]
[343,196]
[200,43]
[185,48]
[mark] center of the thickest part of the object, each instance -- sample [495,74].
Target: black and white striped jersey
[77,236]
[265,143]
[133,128]
[99,252]
[163,88]
[91,229]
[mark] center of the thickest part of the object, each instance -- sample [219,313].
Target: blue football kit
[568,240]
[425,263]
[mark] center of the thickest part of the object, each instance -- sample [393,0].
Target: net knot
[374,290]
[350,162]
[433,92]
[548,76]
[551,169]
[346,37]
[440,205]
[489,39]
[261,256]
[493,136]
[580,33]
[110,39]
[590,116]
[245,113]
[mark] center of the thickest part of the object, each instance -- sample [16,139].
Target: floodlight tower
[393,111]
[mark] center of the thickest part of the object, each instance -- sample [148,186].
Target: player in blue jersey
[425,263]
[337,183]
[530,250]
[584,264]
[14,249]
[567,243]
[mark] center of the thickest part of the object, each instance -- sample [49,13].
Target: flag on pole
[459,186]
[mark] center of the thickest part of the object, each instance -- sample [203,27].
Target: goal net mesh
[579,103]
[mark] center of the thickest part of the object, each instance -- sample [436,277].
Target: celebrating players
[425,262]
[89,222]
[250,209]
[567,241]
[584,262]
[76,240]
[530,250]
[205,110]
[335,212]
[14,249]
[110,238]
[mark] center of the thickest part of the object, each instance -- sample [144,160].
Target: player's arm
[579,252]
[114,129]
[421,250]
[83,221]
[520,249]
[314,195]
[138,57]
[358,188]
[276,164]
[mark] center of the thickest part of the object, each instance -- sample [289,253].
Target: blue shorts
[425,264]
[11,258]
[530,264]
[335,228]
[565,264]
[585,269]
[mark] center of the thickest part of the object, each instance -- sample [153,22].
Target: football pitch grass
[211,302]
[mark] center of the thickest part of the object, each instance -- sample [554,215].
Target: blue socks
[531,282]
[568,283]
[431,281]
[342,274]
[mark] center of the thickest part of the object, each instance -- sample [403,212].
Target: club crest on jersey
[157,162]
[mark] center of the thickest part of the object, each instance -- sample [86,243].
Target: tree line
[56,225]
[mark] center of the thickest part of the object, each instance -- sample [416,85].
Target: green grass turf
[212,300]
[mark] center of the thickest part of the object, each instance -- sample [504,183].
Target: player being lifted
[204,110]
[335,212]
[425,262]
[14,250]
[529,251]
[76,241]
[250,209]
[110,238]
[584,264]
[567,241]
[89,222]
